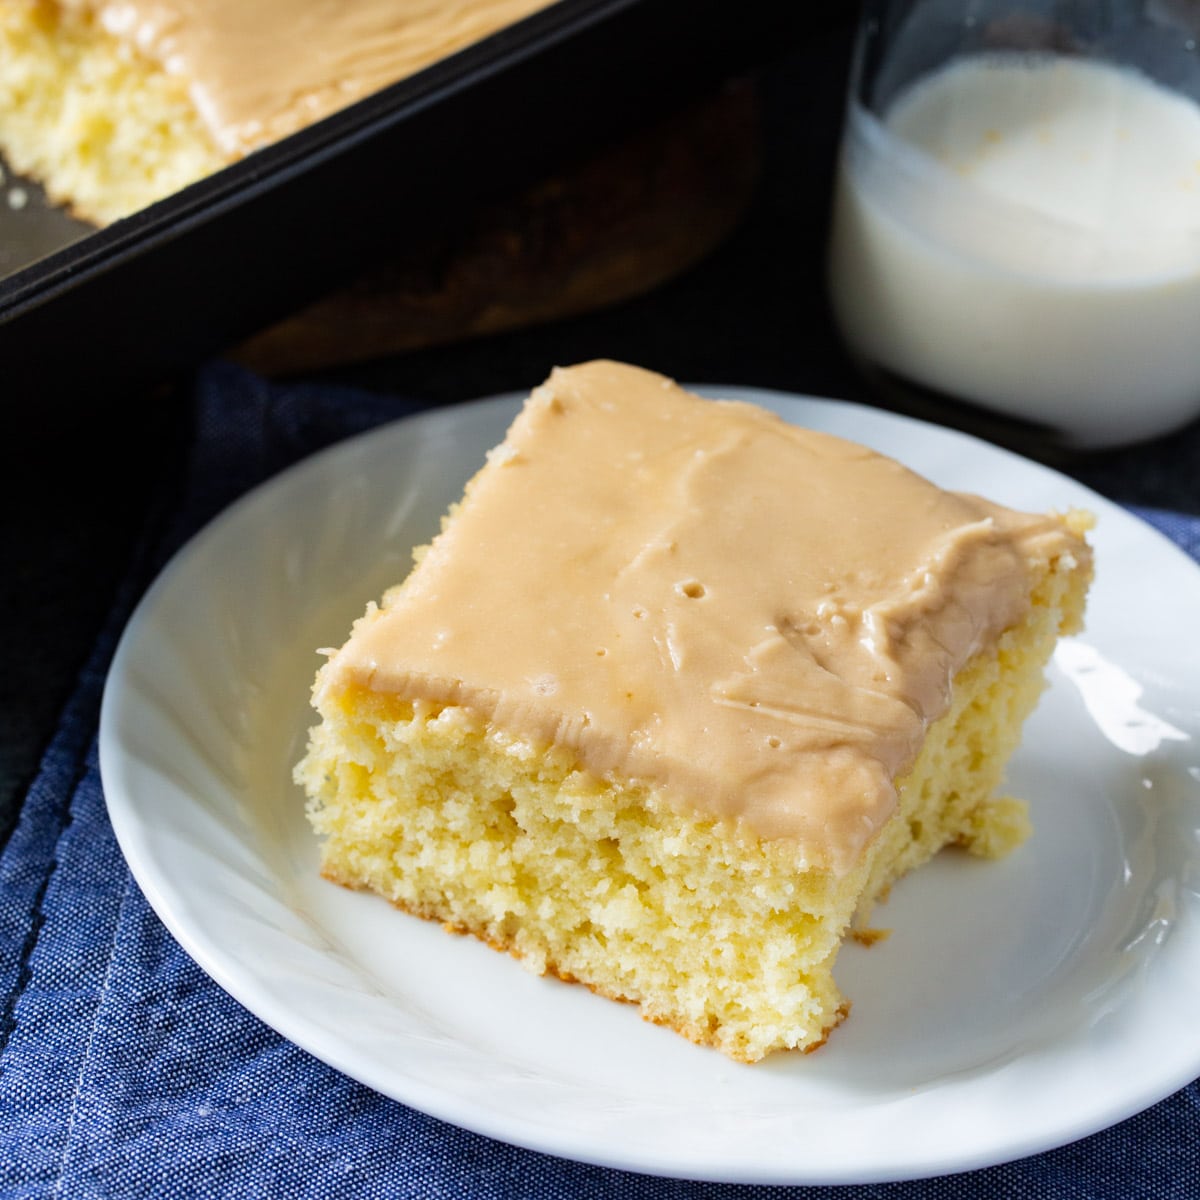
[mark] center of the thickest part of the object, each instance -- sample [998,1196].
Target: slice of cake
[678,692]
[113,105]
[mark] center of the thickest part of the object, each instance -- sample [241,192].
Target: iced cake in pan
[676,694]
[113,105]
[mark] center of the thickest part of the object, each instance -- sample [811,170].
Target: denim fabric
[126,1072]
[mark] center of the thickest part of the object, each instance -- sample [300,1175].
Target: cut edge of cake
[104,131]
[617,903]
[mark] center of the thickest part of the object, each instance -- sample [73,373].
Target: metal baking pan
[142,299]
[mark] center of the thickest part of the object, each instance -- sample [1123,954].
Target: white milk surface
[1024,233]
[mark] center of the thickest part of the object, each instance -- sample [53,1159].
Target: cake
[677,693]
[111,106]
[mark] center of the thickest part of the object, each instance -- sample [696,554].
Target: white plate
[1017,1005]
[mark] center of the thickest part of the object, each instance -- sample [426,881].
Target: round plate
[1017,1005]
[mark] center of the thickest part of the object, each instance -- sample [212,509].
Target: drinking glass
[1016,219]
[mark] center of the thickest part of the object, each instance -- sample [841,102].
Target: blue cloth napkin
[126,1072]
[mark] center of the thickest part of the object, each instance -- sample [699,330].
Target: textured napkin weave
[126,1072]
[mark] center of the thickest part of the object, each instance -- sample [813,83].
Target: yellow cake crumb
[104,130]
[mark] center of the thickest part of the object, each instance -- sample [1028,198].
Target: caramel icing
[758,618]
[260,69]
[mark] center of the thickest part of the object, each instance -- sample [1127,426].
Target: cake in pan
[111,106]
[678,692]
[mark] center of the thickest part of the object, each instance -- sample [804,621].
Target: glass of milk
[1016,222]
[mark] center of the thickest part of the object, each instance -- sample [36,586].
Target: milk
[1024,233]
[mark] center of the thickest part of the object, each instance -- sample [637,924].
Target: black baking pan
[150,295]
